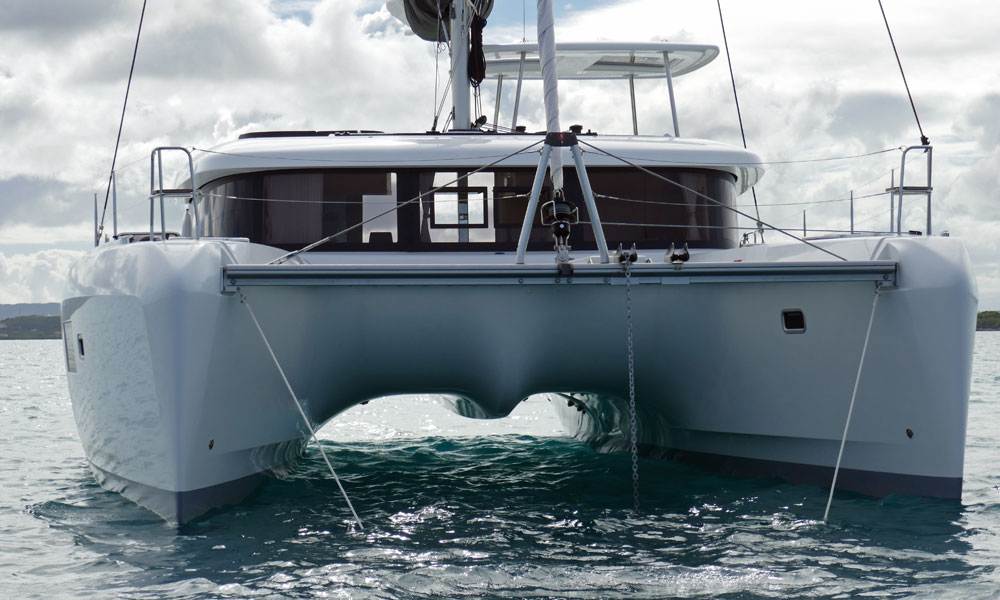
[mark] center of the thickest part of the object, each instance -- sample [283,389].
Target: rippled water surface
[461,508]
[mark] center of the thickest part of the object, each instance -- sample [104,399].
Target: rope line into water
[850,409]
[298,405]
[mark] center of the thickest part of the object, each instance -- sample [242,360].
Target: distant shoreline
[30,337]
[988,320]
[31,327]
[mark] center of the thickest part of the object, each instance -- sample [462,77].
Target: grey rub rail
[235,275]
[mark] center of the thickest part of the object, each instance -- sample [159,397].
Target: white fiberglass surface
[607,60]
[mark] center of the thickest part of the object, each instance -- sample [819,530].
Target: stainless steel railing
[159,191]
[902,189]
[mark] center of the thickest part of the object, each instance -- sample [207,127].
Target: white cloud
[36,277]
[79,234]
[815,80]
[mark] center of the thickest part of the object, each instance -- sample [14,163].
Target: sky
[815,81]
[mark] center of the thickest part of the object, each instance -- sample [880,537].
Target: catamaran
[315,270]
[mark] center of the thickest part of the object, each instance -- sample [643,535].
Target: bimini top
[600,60]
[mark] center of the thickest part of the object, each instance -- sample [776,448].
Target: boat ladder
[896,192]
[157,190]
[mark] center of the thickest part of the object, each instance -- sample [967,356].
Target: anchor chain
[628,259]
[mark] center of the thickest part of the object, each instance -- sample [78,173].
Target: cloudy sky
[816,81]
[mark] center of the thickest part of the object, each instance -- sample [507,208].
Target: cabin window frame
[707,226]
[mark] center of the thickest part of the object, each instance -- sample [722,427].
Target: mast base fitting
[560,138]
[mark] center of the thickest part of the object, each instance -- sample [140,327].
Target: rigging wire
[815,202]
[121,123]
[440,108]
[923,138]
[717,227]
[732,77]
[766,162]
[608,197]
[437,65]
[845,199]
[285,257]
[873,217]
[129,165]
[378,161]
[710,199]
[828,159]
[219,196]
[437,68]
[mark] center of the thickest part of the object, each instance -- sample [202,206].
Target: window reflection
[290,209]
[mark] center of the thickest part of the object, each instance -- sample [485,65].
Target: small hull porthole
[793,320]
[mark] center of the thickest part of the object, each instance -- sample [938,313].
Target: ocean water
[484,509]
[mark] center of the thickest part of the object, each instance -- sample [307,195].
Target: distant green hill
[988,320]
[26,310]
[33,327]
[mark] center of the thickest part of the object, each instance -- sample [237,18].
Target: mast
[460,19]
[550,87]
[558,212]
[450,21]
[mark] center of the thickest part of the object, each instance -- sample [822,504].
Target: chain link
[631,385]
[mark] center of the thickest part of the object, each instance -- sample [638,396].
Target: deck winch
[561,215]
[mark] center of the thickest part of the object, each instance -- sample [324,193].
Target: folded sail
[431,19]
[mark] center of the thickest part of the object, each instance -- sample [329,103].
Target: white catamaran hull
[181,408]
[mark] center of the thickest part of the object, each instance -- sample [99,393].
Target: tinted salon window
[290,209]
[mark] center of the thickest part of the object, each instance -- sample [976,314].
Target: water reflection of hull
[180,406]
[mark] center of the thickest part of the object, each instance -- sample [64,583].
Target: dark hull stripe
[180,507]
[872,483]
